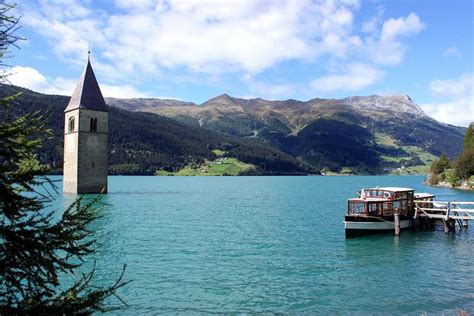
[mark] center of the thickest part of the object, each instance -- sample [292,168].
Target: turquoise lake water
[273,244]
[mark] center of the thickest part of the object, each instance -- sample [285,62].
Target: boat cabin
[382,202]
[424,199]
[374,209]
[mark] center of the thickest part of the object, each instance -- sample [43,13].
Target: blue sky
[301,49]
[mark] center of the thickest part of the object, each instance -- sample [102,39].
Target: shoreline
[465,185]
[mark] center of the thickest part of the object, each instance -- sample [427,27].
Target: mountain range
[142,143]
[366,134]
[373,134]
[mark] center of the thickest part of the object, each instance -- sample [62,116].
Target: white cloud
[31,78]
[27,77]
[121,91]
[452,52]
[247,35]
[454,100]
[372,25]
[147,40]
[462,86]
[393,28]
[385,47]
[355,77]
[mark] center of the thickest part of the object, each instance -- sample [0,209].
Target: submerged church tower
[85,137]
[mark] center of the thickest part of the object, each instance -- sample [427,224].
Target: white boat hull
[385,225]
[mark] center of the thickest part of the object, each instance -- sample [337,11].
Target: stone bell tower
[85,137]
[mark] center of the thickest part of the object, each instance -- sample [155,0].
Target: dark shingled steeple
[87,94]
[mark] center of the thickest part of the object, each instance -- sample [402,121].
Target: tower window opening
[93,125]
[71,124]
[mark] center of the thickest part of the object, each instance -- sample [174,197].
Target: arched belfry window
[71,124]
[93,127]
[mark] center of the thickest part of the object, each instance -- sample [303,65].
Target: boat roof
[423,195]
[373,199]
[391,189]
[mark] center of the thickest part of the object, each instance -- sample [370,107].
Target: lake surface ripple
[271,245]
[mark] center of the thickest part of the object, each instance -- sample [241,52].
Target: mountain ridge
[142,143]
[224,97]
[399,131]
[366,134]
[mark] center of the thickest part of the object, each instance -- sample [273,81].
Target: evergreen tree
[38,247]
[464,165]
[438,166]
[469,138]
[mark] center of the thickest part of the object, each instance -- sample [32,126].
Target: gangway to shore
[449,212]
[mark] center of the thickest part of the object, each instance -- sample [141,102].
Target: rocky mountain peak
[223,99]
[391,103]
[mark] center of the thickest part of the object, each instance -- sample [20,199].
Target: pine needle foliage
[469,138]
[36,247]
[40,248]
[8,27]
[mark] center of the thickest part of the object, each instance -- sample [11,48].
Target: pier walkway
[449,212]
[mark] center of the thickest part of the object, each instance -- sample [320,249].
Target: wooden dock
[449,213]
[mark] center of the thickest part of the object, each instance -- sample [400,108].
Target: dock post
[446,226]
[396,218]
[448,211]
[465,224]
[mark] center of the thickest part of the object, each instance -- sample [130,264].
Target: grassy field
[413,151]
[218,167]
[385,140]
[218,152]
[394,159]
[425,156]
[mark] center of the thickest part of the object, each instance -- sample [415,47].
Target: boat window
[396,206]
[356,208]
[387,208]
[386,194]
[404,195]
[403,208]
[375,208]
[375,193]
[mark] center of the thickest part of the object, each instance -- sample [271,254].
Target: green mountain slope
[141,143]
[371,134]
[328,133]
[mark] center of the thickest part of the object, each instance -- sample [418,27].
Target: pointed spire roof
[87,94]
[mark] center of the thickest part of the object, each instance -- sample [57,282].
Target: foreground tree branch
[38,248]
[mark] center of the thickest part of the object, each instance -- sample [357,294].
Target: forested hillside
[141,143]
[372,134]
[356,135]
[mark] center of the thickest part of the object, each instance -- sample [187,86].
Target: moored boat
[373,210]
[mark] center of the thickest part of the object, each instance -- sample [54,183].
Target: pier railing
[445,210]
